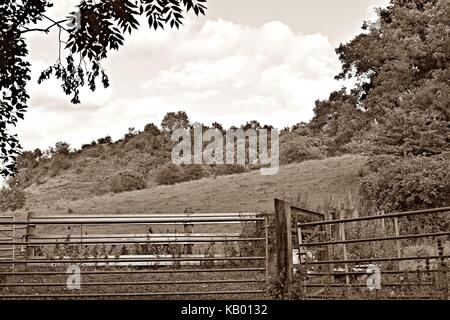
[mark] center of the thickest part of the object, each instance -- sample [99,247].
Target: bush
[126,180]
[296,148]
[194,172]
[172,174]
[401,184]
[62,148]
[404,184]
[11,199]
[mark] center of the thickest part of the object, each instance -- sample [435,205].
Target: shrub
[172,174]
[62,148]
[296,148]
[400,184]
[194,172]
[152,129]
[403,184]
[11,199]
[126,180]
[105,140]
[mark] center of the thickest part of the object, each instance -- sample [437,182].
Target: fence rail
[370,257]
[121,256]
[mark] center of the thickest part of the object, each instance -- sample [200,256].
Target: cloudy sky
[247,59]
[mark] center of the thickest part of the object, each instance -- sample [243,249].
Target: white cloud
[215,70]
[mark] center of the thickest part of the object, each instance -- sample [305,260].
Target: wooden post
[30,232]
[13,240]
[329,215]
[188,229]
[343,237]
[283,227]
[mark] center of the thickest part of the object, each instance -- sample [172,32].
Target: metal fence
[198,255]
[7,234]
[388,256]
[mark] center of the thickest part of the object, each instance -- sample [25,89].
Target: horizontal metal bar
[132,294]
[364,285]
[112,272]
[165,241]
[142,235]
[104,221]
[376,260]
[384,216]
[401,297]
[356,273]
[409,236]
[131,283]
[155,215]
[81,261]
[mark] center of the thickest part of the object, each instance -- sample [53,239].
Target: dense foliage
[11,199]
[402,66]
[126,180]
[401,184]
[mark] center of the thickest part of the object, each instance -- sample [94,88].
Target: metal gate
[375,257]
[7,234]
[194,255]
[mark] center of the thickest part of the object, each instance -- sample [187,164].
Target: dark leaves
[94,30]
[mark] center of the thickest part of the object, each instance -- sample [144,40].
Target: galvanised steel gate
[388,256]
[157,256]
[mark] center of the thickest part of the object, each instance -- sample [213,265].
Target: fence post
[30,233]
[329,215]
[188,229]
[13,240]
[344,246]
[283,227]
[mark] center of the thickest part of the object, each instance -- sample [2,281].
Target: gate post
[30,232]
[188,229]
[283,227]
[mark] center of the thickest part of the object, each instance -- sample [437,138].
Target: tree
[401,103]
[62,148]
[251,125]
[218,126]
[105,140]
[152,129]
[175,120]
[339,118]
[96,28]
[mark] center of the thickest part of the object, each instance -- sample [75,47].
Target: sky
[246,60]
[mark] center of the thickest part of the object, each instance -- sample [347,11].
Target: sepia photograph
[224,151]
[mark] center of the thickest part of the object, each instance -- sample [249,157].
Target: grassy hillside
[233,193]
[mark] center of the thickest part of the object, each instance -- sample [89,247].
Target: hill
[318,179]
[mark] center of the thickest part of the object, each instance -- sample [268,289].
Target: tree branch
[55,23]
